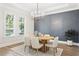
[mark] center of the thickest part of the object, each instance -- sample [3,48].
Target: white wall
[29,28]
[1,25]
[29,24]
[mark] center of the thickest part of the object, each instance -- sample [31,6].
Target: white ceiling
[42,7]
[33,6]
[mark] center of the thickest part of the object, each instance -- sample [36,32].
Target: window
[9,25]
[21,25]
[14,27]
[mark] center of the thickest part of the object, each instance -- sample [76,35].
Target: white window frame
[5,24]
[15,22]
[19,24]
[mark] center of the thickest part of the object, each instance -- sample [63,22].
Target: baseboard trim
[64,42]
[77,44]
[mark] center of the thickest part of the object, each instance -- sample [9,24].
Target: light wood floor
[67,50]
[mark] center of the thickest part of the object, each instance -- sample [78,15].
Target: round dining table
[43,40]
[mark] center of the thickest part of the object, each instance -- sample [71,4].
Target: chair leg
[37,51]
[45,48]
[24,48]
[29,49]
[54,51]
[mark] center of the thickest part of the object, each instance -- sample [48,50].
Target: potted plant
[70,36]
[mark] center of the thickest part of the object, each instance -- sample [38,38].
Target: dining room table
[44,40]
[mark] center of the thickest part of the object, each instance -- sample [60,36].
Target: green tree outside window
[9,25]
[21,26]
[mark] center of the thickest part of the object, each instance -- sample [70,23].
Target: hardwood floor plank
[67,50]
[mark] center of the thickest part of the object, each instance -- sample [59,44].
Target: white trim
[59,9]
[77,44]
[5,24]
[64,42]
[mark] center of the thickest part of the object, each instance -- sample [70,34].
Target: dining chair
[27,43]
[40,34]
[35,43]
[50,41]
[53,45]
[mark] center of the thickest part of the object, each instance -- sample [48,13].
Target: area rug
[30,52]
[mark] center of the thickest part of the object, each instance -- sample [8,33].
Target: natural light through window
[9,25]
[21,25]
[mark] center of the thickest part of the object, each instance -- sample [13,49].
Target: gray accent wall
[57,24]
